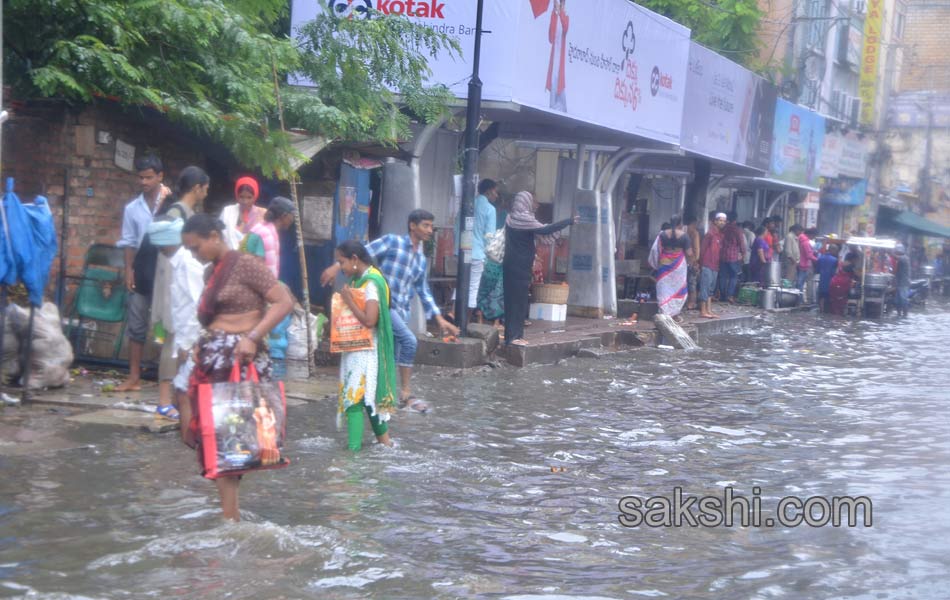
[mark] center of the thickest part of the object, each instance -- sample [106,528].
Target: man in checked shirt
[402,262]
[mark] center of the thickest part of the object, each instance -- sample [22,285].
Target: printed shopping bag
[242,424]
[495,245]
[347,334]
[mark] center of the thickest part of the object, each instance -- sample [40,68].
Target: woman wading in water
[242,301]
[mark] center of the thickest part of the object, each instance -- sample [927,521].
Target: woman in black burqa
[521,230]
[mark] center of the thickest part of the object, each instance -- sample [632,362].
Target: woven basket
[550,293]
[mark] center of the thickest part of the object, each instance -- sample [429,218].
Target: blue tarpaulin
[27,243]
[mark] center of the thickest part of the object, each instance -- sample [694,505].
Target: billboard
[797,141]
[605,62]
[728,111]
[454,18]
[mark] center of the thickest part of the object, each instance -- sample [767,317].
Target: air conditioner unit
[859,6]
[855,111]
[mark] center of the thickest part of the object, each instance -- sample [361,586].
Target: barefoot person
[135,221]
[242,301]
[402,262]
[710,256]
[367,377]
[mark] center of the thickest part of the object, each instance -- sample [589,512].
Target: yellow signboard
[870,56]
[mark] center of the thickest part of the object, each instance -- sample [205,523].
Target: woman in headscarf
[521,229]
[671,286]
[240,218]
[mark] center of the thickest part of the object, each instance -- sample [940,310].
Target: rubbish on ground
[9,400]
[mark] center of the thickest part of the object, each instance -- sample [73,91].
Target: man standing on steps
[484,224]
[136,218]
[402,261]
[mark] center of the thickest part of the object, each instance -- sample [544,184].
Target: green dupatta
[386,379]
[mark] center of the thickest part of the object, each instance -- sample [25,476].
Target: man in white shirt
[136,218]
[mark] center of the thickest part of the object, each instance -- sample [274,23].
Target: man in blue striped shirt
[402,261]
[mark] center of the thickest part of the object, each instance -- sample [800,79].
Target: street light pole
[469,182]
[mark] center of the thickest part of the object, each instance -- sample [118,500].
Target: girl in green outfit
[367,377]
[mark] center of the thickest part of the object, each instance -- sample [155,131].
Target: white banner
[606,62]
[716,91]
[728,112]
[854,156]
[831,155]
[456,19]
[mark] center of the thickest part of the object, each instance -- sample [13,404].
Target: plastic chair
[101,296]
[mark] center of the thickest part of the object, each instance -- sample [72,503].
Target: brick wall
[926,64]
[44,141]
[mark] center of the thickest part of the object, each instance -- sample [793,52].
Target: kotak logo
[360,9]
[659,80]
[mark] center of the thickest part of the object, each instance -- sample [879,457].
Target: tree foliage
[729,27]
[211,64]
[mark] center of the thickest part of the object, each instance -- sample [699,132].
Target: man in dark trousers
[136,218]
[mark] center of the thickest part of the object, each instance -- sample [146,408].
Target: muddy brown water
[510,487]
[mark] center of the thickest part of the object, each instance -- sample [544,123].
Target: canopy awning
[917,223]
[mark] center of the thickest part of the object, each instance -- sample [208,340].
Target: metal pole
[63,245]
[469,182]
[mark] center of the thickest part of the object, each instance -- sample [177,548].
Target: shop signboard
[853,159]
[798,139]
[870,57]
[728,112]
[844,191]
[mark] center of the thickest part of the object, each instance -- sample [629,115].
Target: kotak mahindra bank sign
[605,62]
[454,18]
[411,8]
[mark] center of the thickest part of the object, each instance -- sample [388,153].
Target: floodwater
[510,488]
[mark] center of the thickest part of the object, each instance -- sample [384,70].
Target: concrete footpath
[87,400]
[549,342]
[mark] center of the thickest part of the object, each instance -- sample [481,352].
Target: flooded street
[510,488]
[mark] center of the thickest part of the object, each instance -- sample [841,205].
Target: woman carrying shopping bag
[242,301]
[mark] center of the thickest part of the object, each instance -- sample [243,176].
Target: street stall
[871,297]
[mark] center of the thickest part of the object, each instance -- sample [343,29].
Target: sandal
[168,412]
[414,404]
